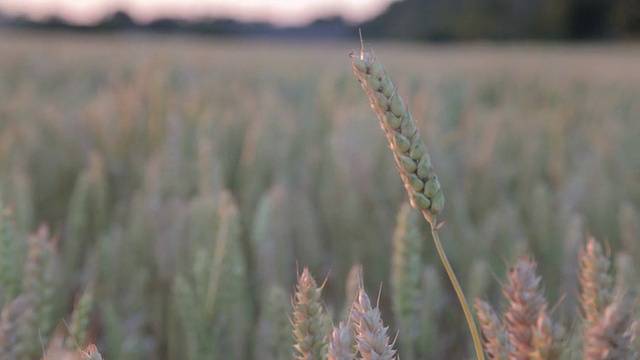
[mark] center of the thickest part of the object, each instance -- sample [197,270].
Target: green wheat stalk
[412,159]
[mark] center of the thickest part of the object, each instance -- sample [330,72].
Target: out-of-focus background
[434,20]
[190,157]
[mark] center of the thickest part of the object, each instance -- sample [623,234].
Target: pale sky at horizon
[281,12]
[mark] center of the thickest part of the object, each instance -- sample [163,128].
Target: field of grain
[185,182]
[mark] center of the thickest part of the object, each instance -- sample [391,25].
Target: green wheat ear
[310,321]
[409,151]
[412,159]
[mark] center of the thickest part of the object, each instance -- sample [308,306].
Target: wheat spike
[610,336]
[608,317]
[10,263]
[91,353]
[525,301]
[9,322]
[409,151]
[412,159]
[341,343]
[80,318]
[274,331]
[372,341]
[595,281]
[496,341]
[309,319]
[35,321]
[547,338]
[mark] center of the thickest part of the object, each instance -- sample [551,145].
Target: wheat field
[161,195]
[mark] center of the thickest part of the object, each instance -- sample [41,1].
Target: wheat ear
[9,324]
[595,281]
[608,318]
[10,263]
[409,151]
[38,289]
[309,319]
[610,336]
[412,158]
[274,331]
[496,339]
[526,302]
[341,343]
[372,341]
[80,317]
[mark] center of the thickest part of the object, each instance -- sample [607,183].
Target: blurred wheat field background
[186,182]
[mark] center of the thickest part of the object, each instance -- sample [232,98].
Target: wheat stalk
[412,159]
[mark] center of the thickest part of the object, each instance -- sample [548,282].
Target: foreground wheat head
[372,341]
[362,336]
[526,331]
[26,319]
[412,159]
[409,151]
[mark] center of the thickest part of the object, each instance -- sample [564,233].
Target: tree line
[429,20]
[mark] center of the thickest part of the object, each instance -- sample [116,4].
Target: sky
[279,12]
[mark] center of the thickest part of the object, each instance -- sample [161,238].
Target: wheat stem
[456,286]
